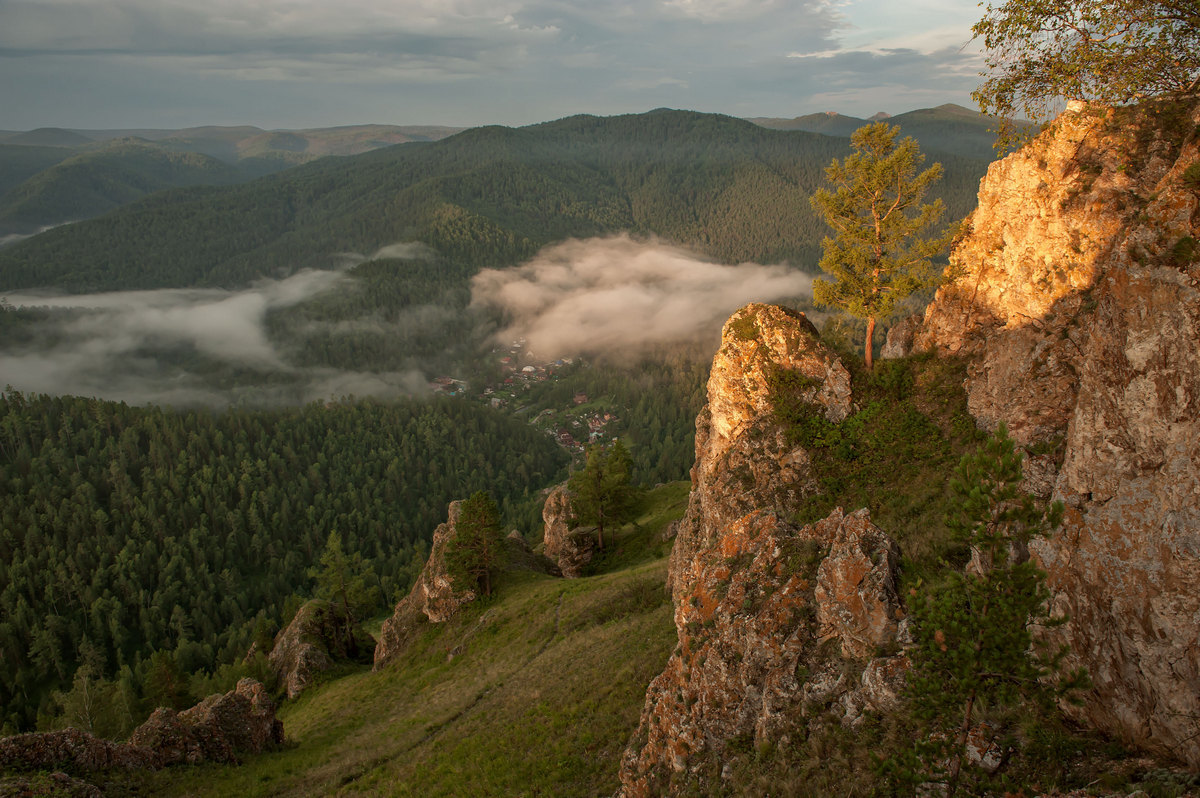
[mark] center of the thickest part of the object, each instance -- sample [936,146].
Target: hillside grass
[534,692]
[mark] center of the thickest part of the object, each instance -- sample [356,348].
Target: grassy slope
[534,692]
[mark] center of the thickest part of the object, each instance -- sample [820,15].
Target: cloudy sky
[308,63]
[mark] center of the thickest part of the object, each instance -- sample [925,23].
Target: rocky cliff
[433,597]
[314,642]
[775,623]
[571,547]
[1077,299]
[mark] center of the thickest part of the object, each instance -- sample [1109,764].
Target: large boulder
[435,598]
[781,624]
[744,461]
[74,750]
[217,729]
[1077,301]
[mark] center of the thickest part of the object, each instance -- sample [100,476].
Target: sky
[315,63]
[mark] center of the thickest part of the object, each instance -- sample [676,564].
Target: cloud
[158,63]
[126,345]
[621,297]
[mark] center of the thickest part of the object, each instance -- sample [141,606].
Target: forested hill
[489,196]
[98,180]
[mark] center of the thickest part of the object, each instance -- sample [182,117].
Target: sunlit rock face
[743,460]
[776,623]
[1077,299]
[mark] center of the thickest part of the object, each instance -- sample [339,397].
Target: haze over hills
[106,175]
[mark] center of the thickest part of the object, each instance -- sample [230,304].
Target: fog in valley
[128,345]
[616,298]
[623,298]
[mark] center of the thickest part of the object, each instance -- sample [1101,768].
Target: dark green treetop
[349,583]
[477,547]
[602,493]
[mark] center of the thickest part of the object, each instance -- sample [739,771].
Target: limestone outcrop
[1077,300]
[314,642]
[776,624]
[217,729]
[435,598]
[571,547]
[743,459]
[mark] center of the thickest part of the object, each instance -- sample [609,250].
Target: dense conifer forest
[127,530]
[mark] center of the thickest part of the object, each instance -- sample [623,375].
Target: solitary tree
[1112,51]
[880,252]
[477,547]
[602,492]
[975,658]
[348,582]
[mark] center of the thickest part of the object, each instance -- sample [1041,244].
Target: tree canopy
[1114,51]
[880,253]
[601,491]
[477,547]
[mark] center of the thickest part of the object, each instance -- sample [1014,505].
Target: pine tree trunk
[870,345]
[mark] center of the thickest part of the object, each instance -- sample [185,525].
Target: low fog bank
[623,298]
[130,346]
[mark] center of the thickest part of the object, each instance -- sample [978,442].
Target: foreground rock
[218,729]
[781,627]
[1078,303]
[435,598]
[571,547]
[776,624]
[314,642]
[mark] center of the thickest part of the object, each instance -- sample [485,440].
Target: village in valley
[523,386]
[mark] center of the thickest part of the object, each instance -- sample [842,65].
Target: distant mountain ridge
[948,127]
[78,174]
[489,196]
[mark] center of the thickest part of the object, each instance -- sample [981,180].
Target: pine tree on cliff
[977,670]
[879,253]
[477,547]
[601,493]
